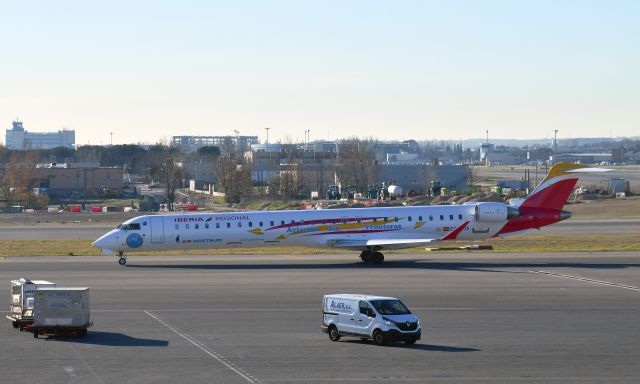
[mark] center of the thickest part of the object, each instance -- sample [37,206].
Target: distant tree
[166,166]
[209,153]
[355,163]
[16,186]
[234,174]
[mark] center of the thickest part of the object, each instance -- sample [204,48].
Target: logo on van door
[134,240]
[339,305]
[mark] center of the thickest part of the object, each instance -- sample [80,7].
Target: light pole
[269,152]
[555,145]
[111,134]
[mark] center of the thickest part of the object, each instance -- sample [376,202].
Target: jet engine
[495,212]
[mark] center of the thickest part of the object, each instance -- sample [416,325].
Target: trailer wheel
[35,334]
[21,327]
[15,324]
[82,333]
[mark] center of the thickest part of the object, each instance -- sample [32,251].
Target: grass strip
[524,244]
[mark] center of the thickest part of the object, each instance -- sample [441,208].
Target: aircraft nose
[101,242]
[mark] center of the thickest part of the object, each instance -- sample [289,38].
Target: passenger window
[366,310]
[293,222]
[419,218]
[186,226]
[450,217]
[217,225]
[239,224]
[177,226]
[441,217]
[396,219]
[250,224]
[460,217]
[206,225]
[409,218]
[260,223]
[228,225]
[359,221]
[197,226]
[281,222]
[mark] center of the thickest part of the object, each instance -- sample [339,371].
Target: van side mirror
[370,312]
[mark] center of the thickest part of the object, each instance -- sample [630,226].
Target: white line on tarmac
[221,359]
[436,379]
[586,280]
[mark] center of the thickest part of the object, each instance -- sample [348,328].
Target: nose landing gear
[123,260]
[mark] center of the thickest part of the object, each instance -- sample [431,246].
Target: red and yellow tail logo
[555,188]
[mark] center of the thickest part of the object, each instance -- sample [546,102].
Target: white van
[378,318]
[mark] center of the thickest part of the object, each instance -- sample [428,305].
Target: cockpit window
[130,227]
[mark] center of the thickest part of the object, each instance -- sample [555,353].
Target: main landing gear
[372,257]
[123,260]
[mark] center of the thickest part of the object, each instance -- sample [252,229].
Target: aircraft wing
[365,244]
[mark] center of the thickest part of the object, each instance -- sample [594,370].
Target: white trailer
[22,300]
[61,311]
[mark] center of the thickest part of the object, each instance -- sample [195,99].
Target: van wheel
[334,335]
[378,337]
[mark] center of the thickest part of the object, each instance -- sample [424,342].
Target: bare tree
[166,166]
[355,163]
[17,181]
[234,173]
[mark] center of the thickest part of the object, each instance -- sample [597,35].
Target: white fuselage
[312,228]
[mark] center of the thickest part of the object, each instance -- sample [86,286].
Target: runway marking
[436,379]
[93,372]
[586,280]
[204,348]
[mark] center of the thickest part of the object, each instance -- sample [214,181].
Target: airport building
[77,180]
[18,138]
[193,143]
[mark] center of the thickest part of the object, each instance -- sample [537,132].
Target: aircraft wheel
[377,258]
[15,324]
[366,256]
[122,261]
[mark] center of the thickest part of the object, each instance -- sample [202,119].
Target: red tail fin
[553,191]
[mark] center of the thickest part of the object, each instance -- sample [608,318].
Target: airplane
[368,230]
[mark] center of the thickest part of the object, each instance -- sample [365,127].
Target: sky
[446,70]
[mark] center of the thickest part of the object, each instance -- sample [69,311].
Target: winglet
[454,234]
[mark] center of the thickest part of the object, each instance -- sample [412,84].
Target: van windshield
[390,307]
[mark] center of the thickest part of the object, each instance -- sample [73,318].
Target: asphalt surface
[487,318]
[93,231]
